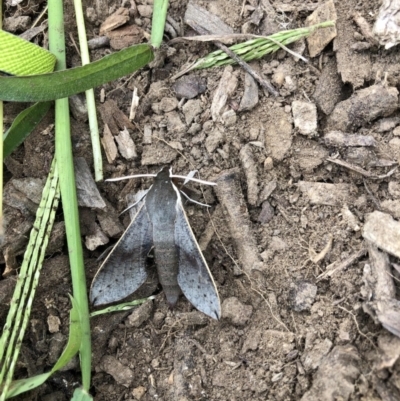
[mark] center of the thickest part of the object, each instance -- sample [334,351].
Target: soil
[289,330]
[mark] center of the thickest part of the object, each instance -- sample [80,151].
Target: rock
[341,139]
[158,153]
[268,164]
[278,133]
[394,189]
[195,318]
[53,322]
[78,107]
[305,117]
[386,124]
[140,315]
[335,379]
[387,25]
[312,358]
[166,105]
[174,123]
[191,109]
[214,139]
[189,87]
[31,187]
[267,213]
[392,207]
[97,239]
[250,95]
[302,295]
[277,343]
[328,89]
[320,193]
[121,374]
[229,118]
[139,392]
[16,24]
[310,155]
[362,107]
[383,231]
[252,340]
[145,10]
[236,312]
[321,37]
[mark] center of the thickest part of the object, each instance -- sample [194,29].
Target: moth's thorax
[161,202]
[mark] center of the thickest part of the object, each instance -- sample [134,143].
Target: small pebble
[236,312]
[302,295]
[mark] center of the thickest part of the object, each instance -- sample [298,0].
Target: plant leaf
[74,342]
[81,395]
[61,84]
[23,125]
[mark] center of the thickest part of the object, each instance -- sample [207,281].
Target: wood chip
[226,88]
[114,117]
[232,200]
[119,18]
[126,146]
[109,146]
[360,170]
[125,36]
[321,37]
[204,18]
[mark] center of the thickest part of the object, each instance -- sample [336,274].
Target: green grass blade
[74,342]
[81,395]
[21,303]
[23,125]
[158,22]
[259,47]
[121,307]
[90,100]
[65,163]
[60,84]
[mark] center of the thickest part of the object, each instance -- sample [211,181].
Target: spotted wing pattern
[194,276]
[124,269]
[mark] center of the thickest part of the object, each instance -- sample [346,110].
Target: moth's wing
[194,277]
[124,269]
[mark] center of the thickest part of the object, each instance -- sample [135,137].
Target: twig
[360,170]
[338,266]
[263,82]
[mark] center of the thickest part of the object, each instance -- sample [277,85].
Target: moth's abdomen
[166,258]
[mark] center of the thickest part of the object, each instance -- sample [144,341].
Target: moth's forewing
[194,276]
[124,269]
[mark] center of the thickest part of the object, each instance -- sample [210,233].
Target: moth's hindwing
[124,269]
[194,276]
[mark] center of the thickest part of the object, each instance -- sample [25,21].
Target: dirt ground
[307,313]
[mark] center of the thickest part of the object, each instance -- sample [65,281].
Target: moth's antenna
[192,200]
[128,177]
[187,178]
